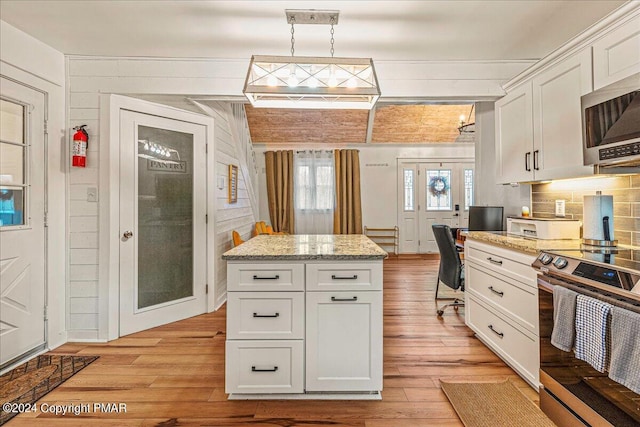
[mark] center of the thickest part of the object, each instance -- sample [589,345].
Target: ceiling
[383,30]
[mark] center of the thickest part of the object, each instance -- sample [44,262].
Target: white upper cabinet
[557,118]
[539,120]
[617,54]
[514,135]
[539,124]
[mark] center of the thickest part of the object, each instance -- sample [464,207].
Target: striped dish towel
[625,348]
[592,332]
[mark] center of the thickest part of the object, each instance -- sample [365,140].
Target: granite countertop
[523,244]
[300,247]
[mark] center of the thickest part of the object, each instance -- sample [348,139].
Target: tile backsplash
[626,201]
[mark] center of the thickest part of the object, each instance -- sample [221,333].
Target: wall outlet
[560,208]
[92,194]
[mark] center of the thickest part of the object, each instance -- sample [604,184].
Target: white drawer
[265,277]
[344,277]
[518,300]
[265,315]
[264,367]
[519,349]
[513,264]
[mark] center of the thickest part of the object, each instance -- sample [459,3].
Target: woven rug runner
[30,381]
[494,405]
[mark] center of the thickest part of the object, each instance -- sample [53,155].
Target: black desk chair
[451,271]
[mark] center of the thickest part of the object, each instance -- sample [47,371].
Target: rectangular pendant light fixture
[310,81]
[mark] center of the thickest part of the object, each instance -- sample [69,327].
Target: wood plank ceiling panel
[280,125]
[419,123]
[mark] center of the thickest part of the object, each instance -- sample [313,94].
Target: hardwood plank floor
[174,375]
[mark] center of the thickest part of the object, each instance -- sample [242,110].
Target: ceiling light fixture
[311,81]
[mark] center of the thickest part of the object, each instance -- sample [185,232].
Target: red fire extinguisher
[80,143]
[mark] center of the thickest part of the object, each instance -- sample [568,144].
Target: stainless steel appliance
[611,124]
[573,393]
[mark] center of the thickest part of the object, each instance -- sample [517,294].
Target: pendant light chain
[332,31]
[293,40]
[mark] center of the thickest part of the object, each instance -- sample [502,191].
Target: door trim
[109,181]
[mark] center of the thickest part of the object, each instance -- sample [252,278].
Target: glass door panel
[165,216]
[13,153]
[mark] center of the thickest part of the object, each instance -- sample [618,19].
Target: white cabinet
[557,118]
[539,124]
[617,54]
[344,341]
[304,326]
[501,298]
[264,366]
[514,135]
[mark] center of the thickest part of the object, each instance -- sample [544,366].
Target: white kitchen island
[304,318]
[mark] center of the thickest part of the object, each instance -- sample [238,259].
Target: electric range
[572,392]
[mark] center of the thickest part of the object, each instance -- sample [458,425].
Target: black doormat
[27,383]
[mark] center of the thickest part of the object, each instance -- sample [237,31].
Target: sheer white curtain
[314,191]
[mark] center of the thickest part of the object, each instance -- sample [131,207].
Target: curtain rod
[316,151]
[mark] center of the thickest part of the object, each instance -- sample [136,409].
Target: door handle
[127,234]
[535,160]
[494,261]
[526,161]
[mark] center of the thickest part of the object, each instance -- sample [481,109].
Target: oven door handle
[543,285]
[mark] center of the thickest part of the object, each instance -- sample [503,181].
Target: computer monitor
[485,218]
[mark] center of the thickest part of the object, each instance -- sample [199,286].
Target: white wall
[378,174]
[33,63]
[163,81]
[488,193]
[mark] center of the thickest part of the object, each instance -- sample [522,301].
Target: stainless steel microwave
[611,124]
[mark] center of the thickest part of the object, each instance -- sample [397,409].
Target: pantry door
[22,222]
[163,247]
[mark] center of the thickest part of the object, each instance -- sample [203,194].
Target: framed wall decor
[233,183]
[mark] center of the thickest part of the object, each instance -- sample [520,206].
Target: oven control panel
[588,271]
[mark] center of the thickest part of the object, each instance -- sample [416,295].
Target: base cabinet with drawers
[501,305]
[304,327]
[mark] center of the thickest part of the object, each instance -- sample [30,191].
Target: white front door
[163,211]
[444,197]
[432,193]
[22,234]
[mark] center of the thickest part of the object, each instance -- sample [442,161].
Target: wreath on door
[438,186]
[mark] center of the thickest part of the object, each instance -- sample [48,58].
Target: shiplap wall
[152,80]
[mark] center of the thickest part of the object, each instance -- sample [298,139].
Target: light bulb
[272,80]
[146,146]
[153,148]
[167,154]
[292,81]
[462,117]
[333,82]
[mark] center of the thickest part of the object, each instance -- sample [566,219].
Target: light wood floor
[174,375]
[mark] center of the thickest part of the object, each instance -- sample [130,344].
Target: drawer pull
[500,334]
[266,315]
[334,277]
[494,261]
[254,369]
[276,277]
[499,293]
[344,299]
